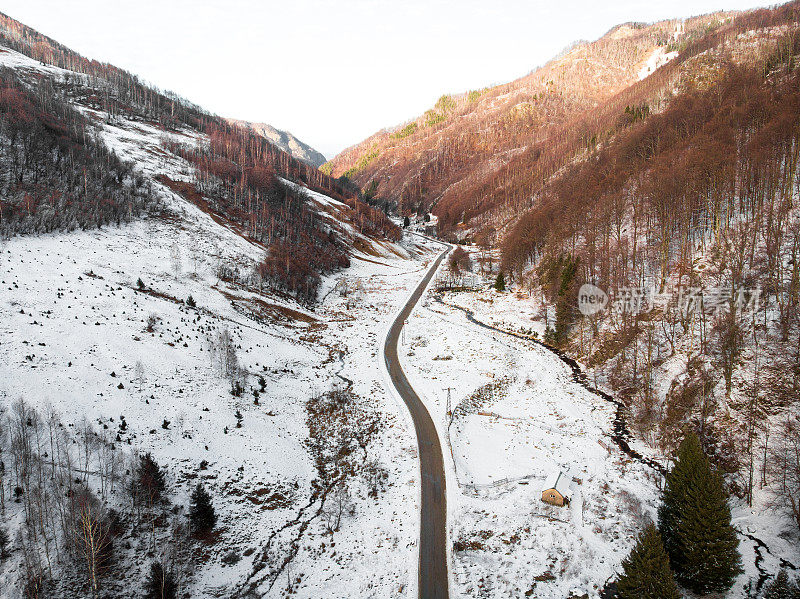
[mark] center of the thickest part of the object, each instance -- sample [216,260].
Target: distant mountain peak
[285,141]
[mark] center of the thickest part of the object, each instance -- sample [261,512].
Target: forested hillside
[478,159]
[478,153]
[52,110]
[56,175]
[689,221]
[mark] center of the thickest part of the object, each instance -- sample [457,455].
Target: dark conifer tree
[160,583]
[782,588]
[202,516]
[151,477]
[500,282]
[3,543]
[646,573]
[695,523]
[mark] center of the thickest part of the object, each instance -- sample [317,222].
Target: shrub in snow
[35,584]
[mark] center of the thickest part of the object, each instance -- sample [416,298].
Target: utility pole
[449,411]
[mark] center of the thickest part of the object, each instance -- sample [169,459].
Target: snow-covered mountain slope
[56,101]
[286,142]
[161,336]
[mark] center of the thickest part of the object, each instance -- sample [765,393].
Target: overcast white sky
[332,72]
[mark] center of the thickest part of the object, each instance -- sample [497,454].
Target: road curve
[433,579]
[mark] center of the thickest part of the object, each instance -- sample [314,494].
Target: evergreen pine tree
[202,516]
[565,305]
[500,282]
[3,543]
[695,523]
[782,588]
[151,477]
[646,573]
[160,583]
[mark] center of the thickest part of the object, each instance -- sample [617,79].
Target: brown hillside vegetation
[479,159]
[451,154]
[696,207]
[682,185]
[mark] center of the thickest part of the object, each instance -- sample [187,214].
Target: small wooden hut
[556,490]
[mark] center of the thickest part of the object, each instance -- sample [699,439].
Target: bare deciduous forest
[90,504]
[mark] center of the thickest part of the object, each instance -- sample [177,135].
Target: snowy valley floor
[77,333]
[517,417]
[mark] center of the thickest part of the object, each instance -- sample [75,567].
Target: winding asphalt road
[433,579]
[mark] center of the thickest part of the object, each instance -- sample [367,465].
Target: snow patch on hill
[657,59]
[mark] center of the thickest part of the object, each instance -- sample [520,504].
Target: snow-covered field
[79,333]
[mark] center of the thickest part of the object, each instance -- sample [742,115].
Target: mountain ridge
[286,141]
[469,136]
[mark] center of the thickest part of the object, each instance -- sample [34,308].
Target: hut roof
[558,481]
